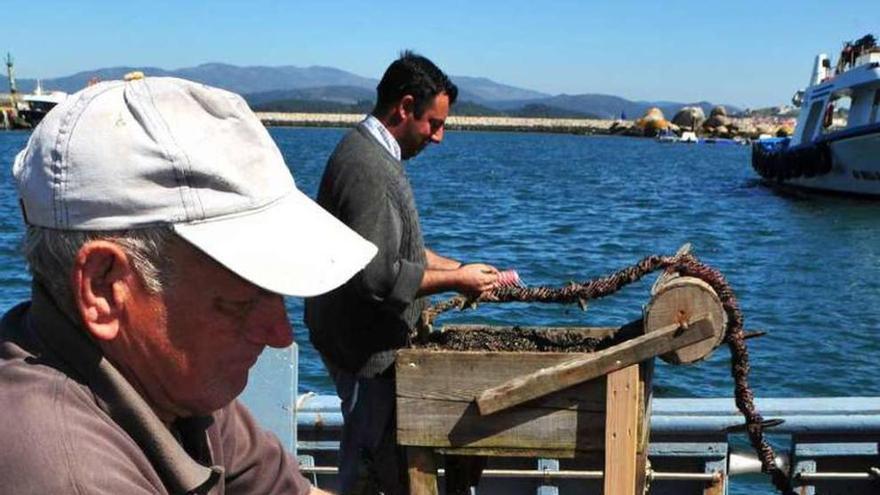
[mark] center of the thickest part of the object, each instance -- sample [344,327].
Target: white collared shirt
[380,132]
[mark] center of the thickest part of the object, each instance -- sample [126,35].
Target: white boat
[35,106]
[671,137]
[688,137]
[836,144]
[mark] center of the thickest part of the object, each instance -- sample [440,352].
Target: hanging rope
[686,265]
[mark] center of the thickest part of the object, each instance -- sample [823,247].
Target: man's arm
[437,262]
[471,279]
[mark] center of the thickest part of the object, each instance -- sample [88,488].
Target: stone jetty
[455,122]
[717,125]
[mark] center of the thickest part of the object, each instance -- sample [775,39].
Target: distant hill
[284,88]
[538,110]
[481,89]
[313,106]
[336,94]
[472,109]
[242,80]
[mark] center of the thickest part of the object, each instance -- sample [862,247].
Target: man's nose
[437,136]
[271,326]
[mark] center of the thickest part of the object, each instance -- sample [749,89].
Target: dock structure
[455,122]
[827,444]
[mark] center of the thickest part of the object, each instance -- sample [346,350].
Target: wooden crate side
[460,376]
[443,423]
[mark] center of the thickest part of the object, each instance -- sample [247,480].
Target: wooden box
[603,419]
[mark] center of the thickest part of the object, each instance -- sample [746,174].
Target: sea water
[557,208]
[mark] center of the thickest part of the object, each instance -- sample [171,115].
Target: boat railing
[821,440]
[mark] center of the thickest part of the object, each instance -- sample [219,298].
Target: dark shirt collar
[179,472]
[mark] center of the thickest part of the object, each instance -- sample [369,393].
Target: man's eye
[234,308]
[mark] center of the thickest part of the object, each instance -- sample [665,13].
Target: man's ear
[406,107]
[101,274]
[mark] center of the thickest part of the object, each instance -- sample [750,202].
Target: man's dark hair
[412,74]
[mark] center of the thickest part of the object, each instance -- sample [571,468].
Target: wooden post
[646,376]
[622,432]
[422,470]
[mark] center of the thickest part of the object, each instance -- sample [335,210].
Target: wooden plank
[439,423]
[621,432]
[422,471]
[646,375]
[459,376]
[589,366]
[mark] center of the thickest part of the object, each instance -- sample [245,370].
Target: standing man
[357,327]
[162,228]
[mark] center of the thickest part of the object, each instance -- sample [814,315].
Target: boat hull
[854,167]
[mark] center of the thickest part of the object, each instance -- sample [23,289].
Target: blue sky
[745,53]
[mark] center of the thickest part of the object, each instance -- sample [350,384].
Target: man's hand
[472,279]
[476,278]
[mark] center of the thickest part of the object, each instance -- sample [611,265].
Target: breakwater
[456,122]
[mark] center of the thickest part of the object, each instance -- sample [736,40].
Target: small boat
[835,147]
[35,106]
[670,137]
[688,137]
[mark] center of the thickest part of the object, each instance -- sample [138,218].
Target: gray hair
[51,253]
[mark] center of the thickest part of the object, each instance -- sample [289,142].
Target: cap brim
[292,247]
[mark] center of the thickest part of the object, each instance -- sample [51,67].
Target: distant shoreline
[455,122]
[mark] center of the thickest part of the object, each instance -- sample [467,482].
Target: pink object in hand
[509,278]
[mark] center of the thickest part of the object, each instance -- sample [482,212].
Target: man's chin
[222,397]
[406,155]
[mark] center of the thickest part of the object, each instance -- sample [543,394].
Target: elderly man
[357,328]
[162,228]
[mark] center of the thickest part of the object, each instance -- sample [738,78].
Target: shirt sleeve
[389,278]
[55,441]
[254,459]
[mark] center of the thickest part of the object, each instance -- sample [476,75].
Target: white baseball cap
[165,151]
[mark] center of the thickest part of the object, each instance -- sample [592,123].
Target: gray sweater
[367,188]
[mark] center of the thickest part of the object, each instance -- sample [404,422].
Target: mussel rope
[684,264]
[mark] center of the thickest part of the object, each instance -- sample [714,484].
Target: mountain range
[328,89]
